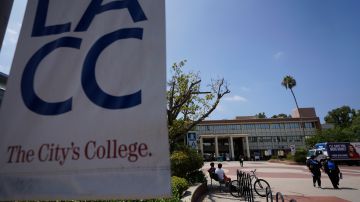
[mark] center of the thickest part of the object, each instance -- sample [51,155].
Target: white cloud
[278,55]
[235,98]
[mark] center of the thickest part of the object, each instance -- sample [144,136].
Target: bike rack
[245,185]
[281,197]
[269,194]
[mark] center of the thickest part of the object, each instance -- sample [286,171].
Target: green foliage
[290,157]
[288,82]
[196,177]
[185,162]
[347,127]
[178,186]
[341,117]
[300,155]
[282,115]
[261,115]
[188,103]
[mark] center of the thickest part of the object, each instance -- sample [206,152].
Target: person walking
[333,171]
[241,159]
[314,167]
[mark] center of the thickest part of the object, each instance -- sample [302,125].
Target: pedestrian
[241,159]
[314,167]
[333,171]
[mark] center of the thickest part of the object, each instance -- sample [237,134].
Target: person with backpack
[314,167]
[333,171]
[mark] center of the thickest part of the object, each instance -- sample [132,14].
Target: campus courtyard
[293,181]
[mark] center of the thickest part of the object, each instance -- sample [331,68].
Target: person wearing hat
[333,171]
[314,167]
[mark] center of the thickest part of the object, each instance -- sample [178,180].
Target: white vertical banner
[84,115]
[192,140]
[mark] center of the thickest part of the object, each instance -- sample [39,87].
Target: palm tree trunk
[297,106]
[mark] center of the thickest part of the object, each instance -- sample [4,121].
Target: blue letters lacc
[88,80]
[31,100]
[39,28]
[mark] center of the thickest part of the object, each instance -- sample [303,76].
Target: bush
[185,162]
[300,156]
[196,176]
[178,186]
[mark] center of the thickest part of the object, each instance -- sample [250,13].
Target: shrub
[185,162]
[300,156]
[196,176]
[178,186]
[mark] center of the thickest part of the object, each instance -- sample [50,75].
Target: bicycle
[243,184]
[259,184]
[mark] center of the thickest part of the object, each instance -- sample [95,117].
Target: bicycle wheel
[235,190]
[260,187]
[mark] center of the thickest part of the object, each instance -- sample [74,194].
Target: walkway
[294,181]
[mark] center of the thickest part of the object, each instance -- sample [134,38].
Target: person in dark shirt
[212,168]
[333,171]
[314,167]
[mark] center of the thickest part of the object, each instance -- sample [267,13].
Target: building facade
[256,138]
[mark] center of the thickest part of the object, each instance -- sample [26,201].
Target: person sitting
[212,168]
[221,174]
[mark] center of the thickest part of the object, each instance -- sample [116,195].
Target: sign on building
[292,149]
[192,139]
[84,115]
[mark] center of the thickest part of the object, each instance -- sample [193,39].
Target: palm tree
[289,82]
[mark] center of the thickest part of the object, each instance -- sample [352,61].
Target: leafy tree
[188,105]
[341,117]
[282,115]
[347,128]
[261,115]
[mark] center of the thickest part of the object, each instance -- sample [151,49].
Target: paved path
[293,181]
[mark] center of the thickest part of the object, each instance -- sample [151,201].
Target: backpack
[331,165]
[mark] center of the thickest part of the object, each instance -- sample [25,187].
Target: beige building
[254,137]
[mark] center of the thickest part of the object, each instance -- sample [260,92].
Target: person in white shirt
[221,174]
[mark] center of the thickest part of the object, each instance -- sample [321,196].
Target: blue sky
[253,44]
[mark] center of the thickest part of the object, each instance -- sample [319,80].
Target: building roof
[259,120]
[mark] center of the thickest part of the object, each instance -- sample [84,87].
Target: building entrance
[238,148]
[224,150]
